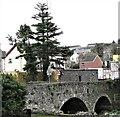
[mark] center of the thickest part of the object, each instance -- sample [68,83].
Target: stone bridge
[72,97]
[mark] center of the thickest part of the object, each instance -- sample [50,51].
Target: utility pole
[0,82]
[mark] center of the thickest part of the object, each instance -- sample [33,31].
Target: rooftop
[89,58]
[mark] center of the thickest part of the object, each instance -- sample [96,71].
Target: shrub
[13,95]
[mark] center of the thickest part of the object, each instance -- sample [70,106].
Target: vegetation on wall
[39,115]
[112,83]
[115,112]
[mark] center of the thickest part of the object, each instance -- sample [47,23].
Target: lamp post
[49,73]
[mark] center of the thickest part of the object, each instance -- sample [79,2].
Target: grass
[39,115]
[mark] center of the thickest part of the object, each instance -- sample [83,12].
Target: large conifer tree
[46,31]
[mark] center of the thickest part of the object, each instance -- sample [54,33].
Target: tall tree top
[45,29]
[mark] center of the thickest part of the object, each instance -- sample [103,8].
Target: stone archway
[73,105]
[102,104]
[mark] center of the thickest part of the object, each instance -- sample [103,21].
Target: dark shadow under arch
[73,106]
[103,104]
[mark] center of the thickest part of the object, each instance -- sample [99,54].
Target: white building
[115,70]
[11,63]
[81,50]
[74,58]
[108,73]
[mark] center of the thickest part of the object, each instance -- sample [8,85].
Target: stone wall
[79,75]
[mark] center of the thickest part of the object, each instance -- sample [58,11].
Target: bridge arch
[73,105]
[103,103]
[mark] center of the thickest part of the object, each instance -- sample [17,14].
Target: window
[79,78]
[10,60]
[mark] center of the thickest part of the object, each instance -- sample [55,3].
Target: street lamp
[49,73]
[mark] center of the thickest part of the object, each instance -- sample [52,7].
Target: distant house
[75,48]
[115,70]
[112,72]
[84,50]
[11,63]
[74,58]
[93,61]
[91,45]
[81,50]
[116,58]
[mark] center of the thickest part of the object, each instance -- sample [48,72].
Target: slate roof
[10,51]
[88,58]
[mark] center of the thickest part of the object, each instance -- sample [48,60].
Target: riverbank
[38,115]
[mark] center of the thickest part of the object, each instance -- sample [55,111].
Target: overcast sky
[82,21]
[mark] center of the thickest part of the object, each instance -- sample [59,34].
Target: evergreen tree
[46,31]
[98,49]
[114,47]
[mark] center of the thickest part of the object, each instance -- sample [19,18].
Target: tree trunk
[45,67]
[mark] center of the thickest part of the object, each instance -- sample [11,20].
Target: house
[92,45]
[11,63]
[75,47]
[84,50]
[116,58]
[81,50]
[74,58]
[114,70]
[93,61]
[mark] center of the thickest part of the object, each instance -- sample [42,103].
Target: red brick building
[91,62]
